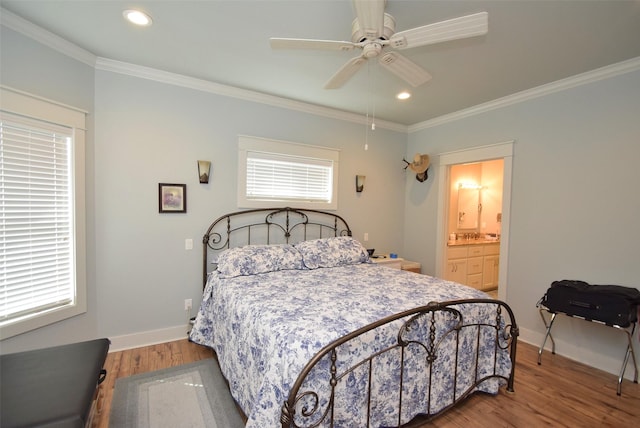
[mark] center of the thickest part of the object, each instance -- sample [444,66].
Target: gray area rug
[191,395]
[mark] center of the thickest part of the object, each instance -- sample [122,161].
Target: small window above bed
[271,171]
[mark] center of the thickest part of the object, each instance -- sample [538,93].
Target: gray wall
[148,132]
[143,133]
[574,204]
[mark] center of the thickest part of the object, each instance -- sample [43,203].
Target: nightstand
[398,263]
[411,266]
[386,261]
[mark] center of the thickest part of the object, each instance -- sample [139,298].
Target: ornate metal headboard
[268,226]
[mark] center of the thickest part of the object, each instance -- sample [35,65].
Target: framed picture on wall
[172,198]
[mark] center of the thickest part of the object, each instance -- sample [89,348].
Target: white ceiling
[529,43]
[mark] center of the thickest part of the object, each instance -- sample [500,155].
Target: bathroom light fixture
[360,183]
[137,17]
[469,185]
[404,95]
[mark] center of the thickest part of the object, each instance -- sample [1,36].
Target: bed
[309,332]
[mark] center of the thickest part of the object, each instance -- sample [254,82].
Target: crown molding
[47,38]
[602,73]
[169,78]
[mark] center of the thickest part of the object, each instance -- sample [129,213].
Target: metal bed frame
[418,330]
[268,226]
[291,225]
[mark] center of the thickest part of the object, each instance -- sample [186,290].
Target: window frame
[19,103]
[248,144]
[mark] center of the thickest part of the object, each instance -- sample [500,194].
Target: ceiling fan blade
[452,29]
[404,68]
[280,43]
[370,15]
[345,73]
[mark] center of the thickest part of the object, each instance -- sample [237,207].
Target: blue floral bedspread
[265,327]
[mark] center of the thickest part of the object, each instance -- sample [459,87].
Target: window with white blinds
[36,213]
[294,174]
[281,177]
[42,212]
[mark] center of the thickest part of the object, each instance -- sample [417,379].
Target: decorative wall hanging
[204,169]
[420,166]
[172,198]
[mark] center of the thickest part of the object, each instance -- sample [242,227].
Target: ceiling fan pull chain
[373,106]
[366,132]
[373,117]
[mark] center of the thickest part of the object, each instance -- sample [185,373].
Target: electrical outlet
[366,236]
[188,244]
[188,304]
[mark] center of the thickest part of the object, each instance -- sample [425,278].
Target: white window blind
[299,175]
[37,217]
[281,177]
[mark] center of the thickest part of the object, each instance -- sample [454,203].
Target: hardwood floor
[558,393]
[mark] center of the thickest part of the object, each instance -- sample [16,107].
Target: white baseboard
[147,338]
[581,355]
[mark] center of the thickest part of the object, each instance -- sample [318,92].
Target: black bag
[610,304]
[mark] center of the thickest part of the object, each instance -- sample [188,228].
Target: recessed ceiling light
[137,17]
[403,95]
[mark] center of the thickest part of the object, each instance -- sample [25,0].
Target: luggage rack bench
[629,330]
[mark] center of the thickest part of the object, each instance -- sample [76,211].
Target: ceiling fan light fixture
[371,50]
[137,17]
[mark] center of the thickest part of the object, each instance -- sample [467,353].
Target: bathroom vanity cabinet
[475,264]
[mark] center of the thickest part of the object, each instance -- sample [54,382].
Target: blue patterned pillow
[331,252]
[256,259]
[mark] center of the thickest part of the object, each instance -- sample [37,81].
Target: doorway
[503,151]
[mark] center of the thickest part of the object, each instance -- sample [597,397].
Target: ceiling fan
[373,32]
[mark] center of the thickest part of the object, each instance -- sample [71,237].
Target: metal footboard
[429,339]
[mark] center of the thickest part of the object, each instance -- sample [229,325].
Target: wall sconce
[360,182]
[204,168]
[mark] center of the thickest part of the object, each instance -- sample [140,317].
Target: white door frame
[476,154]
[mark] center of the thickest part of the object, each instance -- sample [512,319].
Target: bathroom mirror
[468,208]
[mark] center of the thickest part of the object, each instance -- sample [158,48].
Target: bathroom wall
[487,174]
